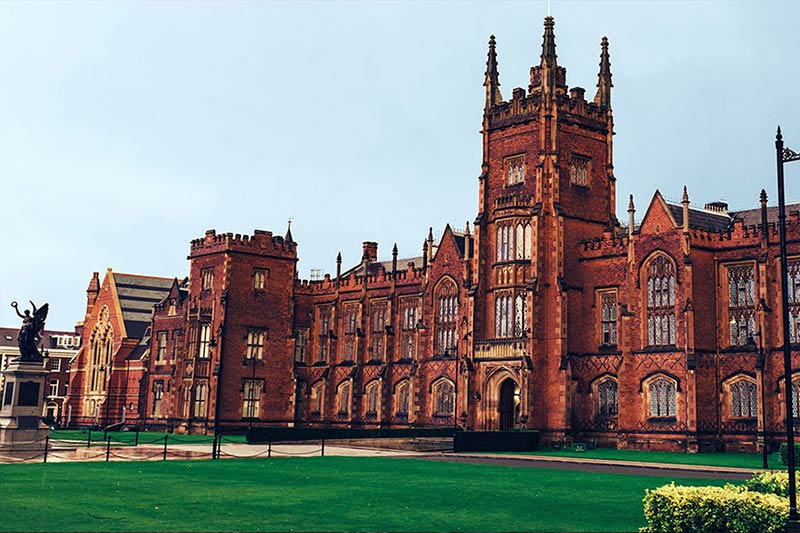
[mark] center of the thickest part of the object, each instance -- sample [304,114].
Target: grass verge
[319,494]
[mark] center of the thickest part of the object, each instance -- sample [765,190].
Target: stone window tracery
[343,398]
[324,330]
[661,395]
[251,397]
[607,398]
[204,343]
[401,398]
[200,394]
[743,398]
[161,346]
[513,241]
[317,394]
[510,315]
[741,307]
[255,344]
[608,317]
[409,311]
[377,330]
[515,169]
[446,315]
[101,351]
[443,397]
[579,170]
[158,394]
[350,314]
[373,397]
[660,302]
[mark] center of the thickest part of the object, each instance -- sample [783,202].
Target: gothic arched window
[343,398]
[607,398]
[443,397]
[660,301]
[373,393]
[101,350]
[401,395]
[661,394]
[744,400]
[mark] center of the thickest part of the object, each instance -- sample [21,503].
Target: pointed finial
[631,208]
[685,199]
[604,85]
[288,237]
[763,196]
[466,229]
[549,43]
[430,234]
[394,249]
[339,258]
[779,137]
[492,77]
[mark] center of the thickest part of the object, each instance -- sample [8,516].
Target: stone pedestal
[21,425]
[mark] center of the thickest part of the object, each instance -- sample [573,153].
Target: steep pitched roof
[701,219]
[720,221]
[375,267]
[137,296]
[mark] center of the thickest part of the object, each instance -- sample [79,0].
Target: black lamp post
[785,155]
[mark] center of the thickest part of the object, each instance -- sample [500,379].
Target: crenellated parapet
[381,279]
[261,242]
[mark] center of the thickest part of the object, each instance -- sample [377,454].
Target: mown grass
[737,460]
[129,437]
[318,494]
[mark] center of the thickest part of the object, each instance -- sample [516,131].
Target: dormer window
[515,169]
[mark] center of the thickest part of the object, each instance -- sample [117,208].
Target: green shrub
[773,482]
[713,510]
[784,451]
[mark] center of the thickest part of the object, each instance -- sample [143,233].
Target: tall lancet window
[741,307]
[660,302]
[446,298]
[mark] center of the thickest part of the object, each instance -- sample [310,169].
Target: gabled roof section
[701,219]
[375,266]
[137,295]
[459,240]
[752,217]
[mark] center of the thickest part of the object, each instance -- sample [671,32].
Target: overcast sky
[128,129]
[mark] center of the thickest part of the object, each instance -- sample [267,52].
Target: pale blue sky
[128,129]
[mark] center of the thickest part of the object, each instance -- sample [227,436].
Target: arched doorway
[507,404]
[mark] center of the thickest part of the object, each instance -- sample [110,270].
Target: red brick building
[107,374]
[548,314]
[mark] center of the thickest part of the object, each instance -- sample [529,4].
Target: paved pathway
[599,465]
[62,451]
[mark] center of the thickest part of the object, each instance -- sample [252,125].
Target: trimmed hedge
[784,451]
[713,510]
[773,482]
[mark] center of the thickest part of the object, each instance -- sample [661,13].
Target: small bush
[784,451]
[773,482]
[713,510]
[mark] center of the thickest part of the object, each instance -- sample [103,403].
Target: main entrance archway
[507,404]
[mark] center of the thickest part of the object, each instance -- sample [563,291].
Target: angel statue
[28,338]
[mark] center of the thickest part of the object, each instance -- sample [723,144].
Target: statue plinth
[21,424]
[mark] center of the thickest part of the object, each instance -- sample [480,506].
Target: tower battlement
[261,242]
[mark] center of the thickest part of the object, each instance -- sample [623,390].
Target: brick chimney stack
[370,254]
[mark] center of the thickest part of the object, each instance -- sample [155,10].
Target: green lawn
[129,437]
[738,460]
[318,494]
